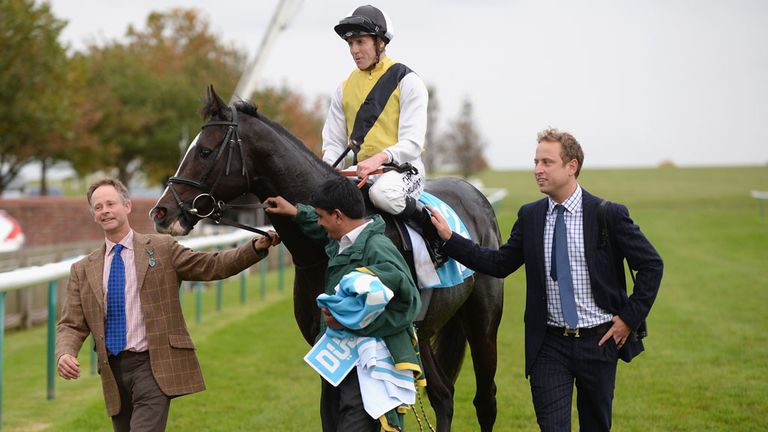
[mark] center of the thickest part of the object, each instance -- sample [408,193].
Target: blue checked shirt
[590,314]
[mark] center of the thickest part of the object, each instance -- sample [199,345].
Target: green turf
[705,368]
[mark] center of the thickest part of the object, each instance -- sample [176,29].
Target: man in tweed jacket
[157,360]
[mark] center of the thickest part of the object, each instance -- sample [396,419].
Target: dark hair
[570,148]
[342,194]
[107,181]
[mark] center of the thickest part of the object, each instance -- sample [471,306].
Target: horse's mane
[250,109]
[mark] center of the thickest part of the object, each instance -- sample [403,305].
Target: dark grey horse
[269,161]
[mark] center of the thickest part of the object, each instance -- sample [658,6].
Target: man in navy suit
[578,318]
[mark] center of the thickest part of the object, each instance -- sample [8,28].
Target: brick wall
[55,220]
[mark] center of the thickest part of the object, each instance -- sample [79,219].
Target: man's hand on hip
[619,331]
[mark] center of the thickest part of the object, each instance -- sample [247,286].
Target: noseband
[229,144]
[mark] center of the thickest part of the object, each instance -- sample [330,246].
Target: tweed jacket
[161,265]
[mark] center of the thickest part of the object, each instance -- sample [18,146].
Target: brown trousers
[143,406]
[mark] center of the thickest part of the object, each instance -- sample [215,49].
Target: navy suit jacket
[605,264]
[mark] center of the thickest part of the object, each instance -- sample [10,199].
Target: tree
[33,85]
[431,144]
[143,96]
[464,143]
[142,93]
[291,110]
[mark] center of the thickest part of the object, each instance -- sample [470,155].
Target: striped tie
[116,303]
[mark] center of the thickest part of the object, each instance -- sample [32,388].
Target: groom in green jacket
[336,219]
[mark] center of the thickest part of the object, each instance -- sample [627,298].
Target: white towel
[382,386]
[425,269]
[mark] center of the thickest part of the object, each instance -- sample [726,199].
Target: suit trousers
[143,406]
[341,408]
[563,360]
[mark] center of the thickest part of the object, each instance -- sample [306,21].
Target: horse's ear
[215,104]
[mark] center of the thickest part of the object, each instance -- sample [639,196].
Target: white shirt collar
[127,242]
[349,238]
[572,203]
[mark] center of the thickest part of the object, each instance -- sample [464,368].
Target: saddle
[415,251]
[414,215]
[397,231]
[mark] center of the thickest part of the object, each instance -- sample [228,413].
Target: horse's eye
[205,152]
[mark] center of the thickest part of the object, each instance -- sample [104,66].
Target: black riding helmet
[365,20]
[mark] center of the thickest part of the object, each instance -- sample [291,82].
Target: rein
[229,144]
[406,167]
[351,173]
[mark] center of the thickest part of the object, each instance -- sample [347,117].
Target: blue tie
[116,303]
[561,269]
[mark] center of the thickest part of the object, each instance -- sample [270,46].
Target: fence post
[219,291]
[198,301]
[280,267]
[219,295]
[263,269]
[94,359]
[761,197]
[2,352]
[51,339]
[242,287]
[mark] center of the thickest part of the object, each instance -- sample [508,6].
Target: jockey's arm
[412,126]
[334,131]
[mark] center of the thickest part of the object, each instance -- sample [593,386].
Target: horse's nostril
[158,213]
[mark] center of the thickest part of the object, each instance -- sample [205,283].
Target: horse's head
[214,170]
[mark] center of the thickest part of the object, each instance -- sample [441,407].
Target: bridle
[229,144]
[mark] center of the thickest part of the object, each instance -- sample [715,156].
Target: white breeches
[389,190]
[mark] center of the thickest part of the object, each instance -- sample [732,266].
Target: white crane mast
[284,13]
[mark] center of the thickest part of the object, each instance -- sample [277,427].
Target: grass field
[705,367]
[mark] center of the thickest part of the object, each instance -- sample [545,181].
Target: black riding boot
[418,218]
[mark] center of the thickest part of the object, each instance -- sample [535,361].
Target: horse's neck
[289,171]
[286,167]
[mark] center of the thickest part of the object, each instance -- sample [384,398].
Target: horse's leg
[439,387]
[481,315]
[450,347]
[305,309]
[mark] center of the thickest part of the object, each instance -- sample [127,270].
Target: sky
[636,82]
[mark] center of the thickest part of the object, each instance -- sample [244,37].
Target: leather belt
[579,332]
[124,354]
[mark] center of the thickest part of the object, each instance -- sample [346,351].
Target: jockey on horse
[380,113]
